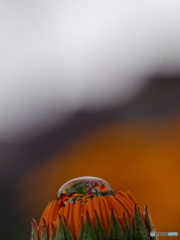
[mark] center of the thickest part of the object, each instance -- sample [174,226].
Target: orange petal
[77,211]
[131,207]
[104,214]
[45,213]
[108,210]
[41,227]
[83,211]
[125,196]
[115,205]
[66,211]
[45,217]
[61,211]
[91,211]
[53,214]
[131,197]
[125,206]
[71,219]
[97,207]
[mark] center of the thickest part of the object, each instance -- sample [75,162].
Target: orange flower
[103,188]
[96,185]
[72,213]
[102,214]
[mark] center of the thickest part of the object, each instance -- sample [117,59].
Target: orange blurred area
[142,157]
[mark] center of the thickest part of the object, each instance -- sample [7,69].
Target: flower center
[82,188]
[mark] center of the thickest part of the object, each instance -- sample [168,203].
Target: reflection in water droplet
[82,188]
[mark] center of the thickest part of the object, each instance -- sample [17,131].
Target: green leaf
[100,231]
[81,233]
[149,223]
[52,232]
[129,233]
[89,232]
[68,233]
[117,231]
[141,232]
[110,235]
[44,231]
[34,232]
[139,229]
[60,231]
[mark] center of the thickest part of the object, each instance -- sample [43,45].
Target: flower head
[85,214]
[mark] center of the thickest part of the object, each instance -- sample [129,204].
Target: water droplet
[82,188]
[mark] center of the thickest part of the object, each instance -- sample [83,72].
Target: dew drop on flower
[82,188]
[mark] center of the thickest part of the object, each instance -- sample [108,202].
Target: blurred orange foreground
[142,157]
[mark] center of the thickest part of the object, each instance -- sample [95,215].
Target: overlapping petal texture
[116,217]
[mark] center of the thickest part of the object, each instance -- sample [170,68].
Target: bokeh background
[89,88]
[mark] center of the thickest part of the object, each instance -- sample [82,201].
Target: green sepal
[139,229]
[68,233]
[116,232]
[89,232]
[34,231]
[110,235]
[44,231]
[100,231]
[60,231]
[129,234]
[141,232]
[81,233]
[149,224]
[52,232]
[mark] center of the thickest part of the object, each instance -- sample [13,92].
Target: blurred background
[89,88]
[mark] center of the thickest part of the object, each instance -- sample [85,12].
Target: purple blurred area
[159,100]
